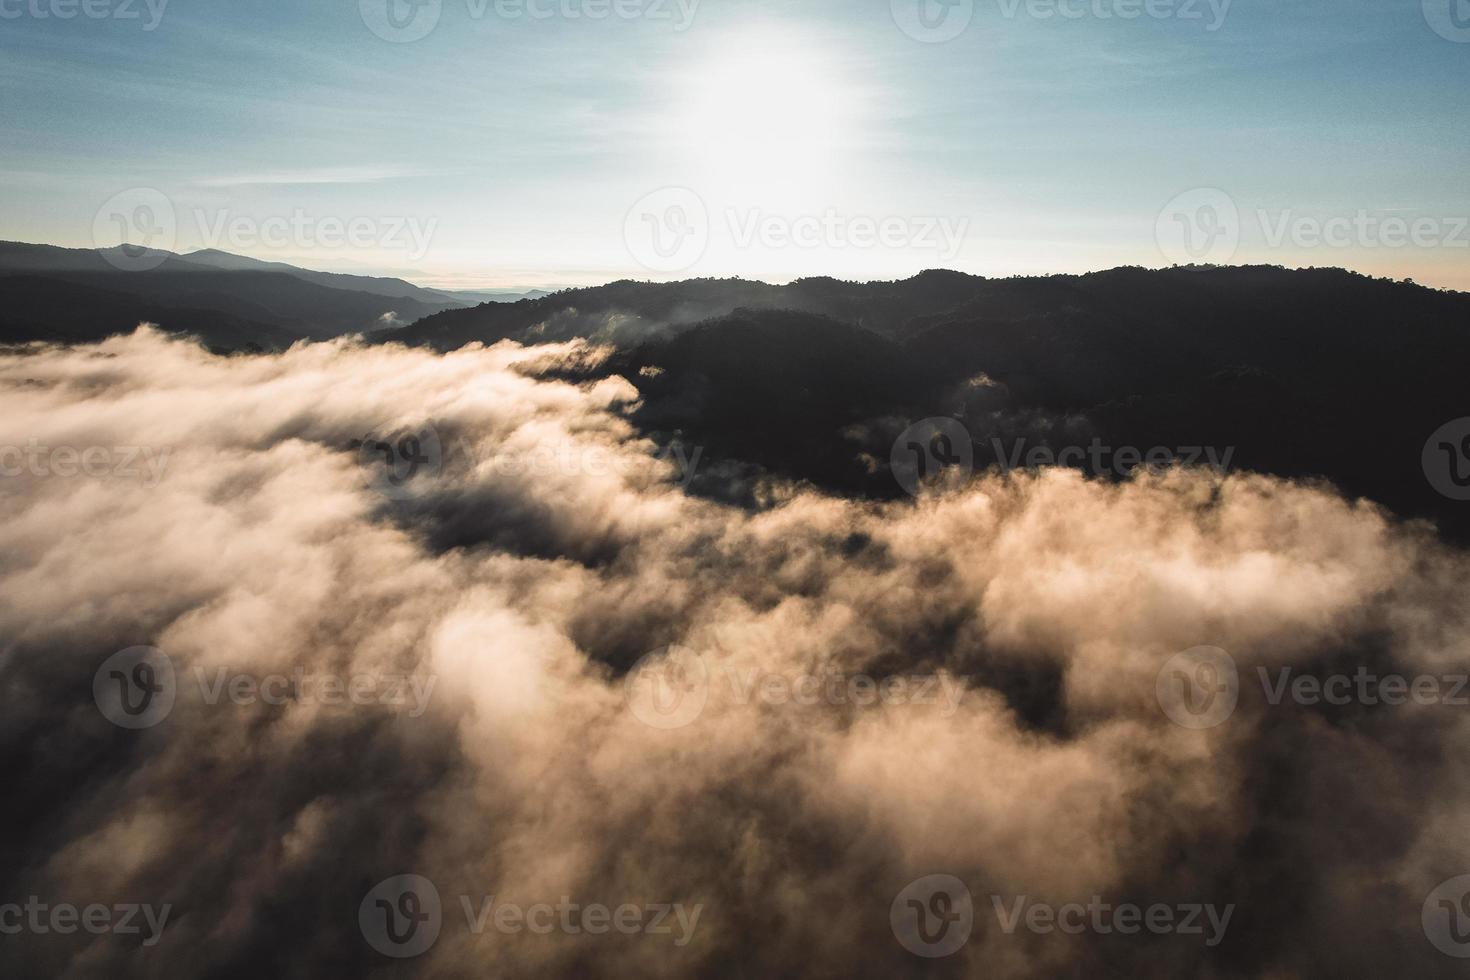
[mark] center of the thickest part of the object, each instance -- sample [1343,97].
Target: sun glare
[767,116]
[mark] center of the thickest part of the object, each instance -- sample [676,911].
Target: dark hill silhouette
[1310,374]
[37,308]
[189,296]
[627,312]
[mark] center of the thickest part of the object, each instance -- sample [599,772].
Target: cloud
[323,175]
[543,551]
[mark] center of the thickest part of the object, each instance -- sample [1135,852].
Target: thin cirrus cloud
[325,175]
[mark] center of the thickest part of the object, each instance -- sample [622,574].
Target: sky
[534,143]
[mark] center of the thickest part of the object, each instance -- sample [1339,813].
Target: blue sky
[505,149]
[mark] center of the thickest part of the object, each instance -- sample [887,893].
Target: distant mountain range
[229,301]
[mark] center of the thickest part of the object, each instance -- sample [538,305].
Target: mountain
[392,288]
[626,311]
[24,257]
[267,305]
[38,308]
[1271,370]
[474,297]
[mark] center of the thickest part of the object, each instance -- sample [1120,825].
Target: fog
[966,683]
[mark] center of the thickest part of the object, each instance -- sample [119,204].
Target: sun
[767,116]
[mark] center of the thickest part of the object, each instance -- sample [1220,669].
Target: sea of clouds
[549,761]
